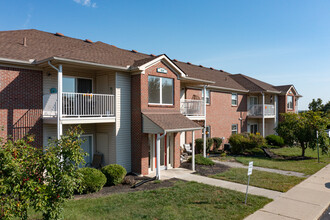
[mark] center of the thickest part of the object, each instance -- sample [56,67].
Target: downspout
[158,154]
[59,99]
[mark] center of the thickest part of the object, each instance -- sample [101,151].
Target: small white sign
[161,70]
[250,168]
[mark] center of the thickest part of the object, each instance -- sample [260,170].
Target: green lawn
[261,179]
[307,167]
[186,200]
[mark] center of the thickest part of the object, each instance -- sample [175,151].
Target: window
[254,128]
[234,129]
[160,90]
[289,102]
[234,99]
[80,85]
[207,96]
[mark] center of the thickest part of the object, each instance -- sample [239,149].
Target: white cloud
[87,3]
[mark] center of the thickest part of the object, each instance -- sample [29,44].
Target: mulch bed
[121,188]
[205,170]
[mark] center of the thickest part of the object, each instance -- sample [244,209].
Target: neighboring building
[129,104]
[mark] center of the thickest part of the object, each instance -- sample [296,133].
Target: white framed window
[234,99]
[234,128]
[208,100]
[160,90]
[289,102]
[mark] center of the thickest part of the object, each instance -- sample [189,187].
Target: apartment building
[136,109]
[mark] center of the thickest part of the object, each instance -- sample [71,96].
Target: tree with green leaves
[301,129]
[318,106]
[37,179]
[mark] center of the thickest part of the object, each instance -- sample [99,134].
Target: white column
[204,137]
[59,102]
[193,151]
[276,110]
[158,157]
[263,114]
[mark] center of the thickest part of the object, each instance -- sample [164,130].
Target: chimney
[24,42]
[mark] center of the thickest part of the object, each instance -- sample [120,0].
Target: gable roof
[253,85]
[285,89]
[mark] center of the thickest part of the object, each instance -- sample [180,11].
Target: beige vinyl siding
[150,127]
[49,132]
[123,120]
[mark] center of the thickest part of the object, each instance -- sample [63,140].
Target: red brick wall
[220,114]
[139,96]
[21,103]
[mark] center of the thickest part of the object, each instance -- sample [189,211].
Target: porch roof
[155,122]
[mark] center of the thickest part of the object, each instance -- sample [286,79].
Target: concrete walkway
[283,172]
[187,175]
[307,200]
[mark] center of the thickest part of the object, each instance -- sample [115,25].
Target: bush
[199,142]
[241,142]
[217,142]
[33,179]
[275,140]
[92,179]
[114,173]
[199,159]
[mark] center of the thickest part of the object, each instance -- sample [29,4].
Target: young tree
[301,128]
[31,178]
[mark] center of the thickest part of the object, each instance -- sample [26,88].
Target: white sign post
[249,174]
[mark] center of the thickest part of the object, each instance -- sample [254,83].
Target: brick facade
[21,103]
[220,114]
[139,96]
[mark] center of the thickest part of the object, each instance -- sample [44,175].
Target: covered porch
[162,130]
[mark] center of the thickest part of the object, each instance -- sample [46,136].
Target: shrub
[114,173]
[199,142]
[275,140]
[217,142]
[241,142]
[199,159]
[33,179]
[92,179]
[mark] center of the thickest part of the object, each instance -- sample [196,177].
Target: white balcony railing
[256,110]
[191,107]
[80,105]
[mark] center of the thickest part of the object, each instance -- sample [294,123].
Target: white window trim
[161,92]
[289,108]
[234,130]
[234,99]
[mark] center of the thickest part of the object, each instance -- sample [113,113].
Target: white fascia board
[203,81]
[227,89]
[168,63]
[14,61]
[65,60]
[183,129]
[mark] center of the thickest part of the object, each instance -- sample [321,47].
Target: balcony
[193,109]
[80,107]
[256,111]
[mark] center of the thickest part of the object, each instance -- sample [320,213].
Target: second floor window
[160,90]
[234,99]
[289,102]
[207,96]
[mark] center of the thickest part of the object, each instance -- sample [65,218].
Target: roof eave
[228,89]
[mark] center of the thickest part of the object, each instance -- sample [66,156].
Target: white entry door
[166,151]
[87,146]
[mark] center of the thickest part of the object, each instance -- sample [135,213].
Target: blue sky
[277,41]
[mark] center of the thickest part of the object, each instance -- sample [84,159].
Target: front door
[253,128]
[166,151]
[87,146]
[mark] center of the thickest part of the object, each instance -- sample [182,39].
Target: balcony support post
[193,151]
[59,99]
[276,111]
[263,114]
[204,136]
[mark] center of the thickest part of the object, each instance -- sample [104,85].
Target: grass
[186,200]
[261,179]
[308,167]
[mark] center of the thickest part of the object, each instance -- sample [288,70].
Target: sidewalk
[283,172]
[307,200]
[187,175]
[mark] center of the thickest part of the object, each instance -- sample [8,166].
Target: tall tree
[301,128]
[316,105]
